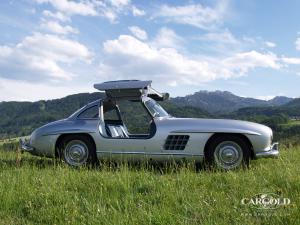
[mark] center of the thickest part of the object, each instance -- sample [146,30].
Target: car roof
[122,84]
[96,102]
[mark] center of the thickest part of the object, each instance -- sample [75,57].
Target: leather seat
[116,131]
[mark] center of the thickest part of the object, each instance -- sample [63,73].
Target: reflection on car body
[102,130]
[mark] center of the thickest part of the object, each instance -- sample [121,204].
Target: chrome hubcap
[228,155]
[76,153]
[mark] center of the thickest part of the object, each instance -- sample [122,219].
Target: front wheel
[228,153]
[78,151]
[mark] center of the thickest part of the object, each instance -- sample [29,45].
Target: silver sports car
[104,129]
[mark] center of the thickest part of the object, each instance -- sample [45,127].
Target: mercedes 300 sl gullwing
[102,130]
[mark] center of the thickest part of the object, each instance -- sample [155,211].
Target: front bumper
[25,146]
[271,152]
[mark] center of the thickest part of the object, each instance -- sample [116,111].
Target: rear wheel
[78,151]
[228,152]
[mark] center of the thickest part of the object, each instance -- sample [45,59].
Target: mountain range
[221,102]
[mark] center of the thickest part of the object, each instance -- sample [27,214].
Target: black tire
[78,151]
[228,152]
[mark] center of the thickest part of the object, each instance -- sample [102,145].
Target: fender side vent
[176,142]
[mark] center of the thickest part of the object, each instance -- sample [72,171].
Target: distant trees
[21,118]
[275,121]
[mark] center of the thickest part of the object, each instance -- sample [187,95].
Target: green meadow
[37,190]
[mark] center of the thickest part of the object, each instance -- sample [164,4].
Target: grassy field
[11,140]
[291,123]
[42,191]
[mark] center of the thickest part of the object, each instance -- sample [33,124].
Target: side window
[90,113]
[135,117]
[111,114]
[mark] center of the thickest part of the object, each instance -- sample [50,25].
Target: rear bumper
[271,152]
[25,146]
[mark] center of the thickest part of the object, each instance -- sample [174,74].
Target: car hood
[191,125]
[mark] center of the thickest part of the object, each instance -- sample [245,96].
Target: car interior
[114,126]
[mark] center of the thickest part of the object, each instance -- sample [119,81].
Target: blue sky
[53,48]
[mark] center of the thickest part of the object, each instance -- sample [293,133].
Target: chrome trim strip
[144,153]
[71,131]
[212,132]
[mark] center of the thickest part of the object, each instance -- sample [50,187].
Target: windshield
[155,109]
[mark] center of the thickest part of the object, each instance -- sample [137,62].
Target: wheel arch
[216,135]
[60,139]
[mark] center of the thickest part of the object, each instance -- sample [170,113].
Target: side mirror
[165,96]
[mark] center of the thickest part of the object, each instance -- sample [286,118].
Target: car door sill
[153,153]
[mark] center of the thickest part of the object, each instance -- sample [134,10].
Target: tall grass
[42,191]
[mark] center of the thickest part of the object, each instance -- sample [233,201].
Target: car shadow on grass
[10,160]
[17,160]
[151,166]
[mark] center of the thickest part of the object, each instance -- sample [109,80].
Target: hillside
[295,104]
[225,102]
[279,100]
[291,109]
[21,118]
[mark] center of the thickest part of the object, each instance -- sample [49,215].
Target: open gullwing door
[130,89]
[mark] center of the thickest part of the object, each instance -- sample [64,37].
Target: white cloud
[83,8]
[167,38]
[55,27]
[41,57]
[57,15]
[291,60]
[221,43]
[138,32]
[16,90]
[111,15]
[109,9]
[137,12]
[127,56]
[224,37]
[297,43]
[249,40]
[119,3]
[194,14]
[241,63]
[270,44]
[265,97]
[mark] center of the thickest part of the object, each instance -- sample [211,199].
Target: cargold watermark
[265,205]
[266,201]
